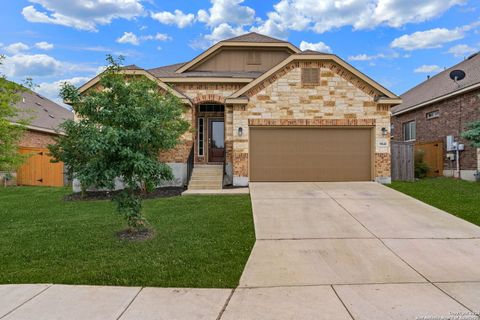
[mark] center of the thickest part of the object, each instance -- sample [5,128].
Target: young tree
[472,133]
[10,134]
[119,133]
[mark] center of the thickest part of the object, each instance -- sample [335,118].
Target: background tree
[472,134]
[119,133]
[10,134]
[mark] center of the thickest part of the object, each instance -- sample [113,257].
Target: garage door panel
[310,154]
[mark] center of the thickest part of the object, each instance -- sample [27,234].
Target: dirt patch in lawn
[108,195]
[135,235]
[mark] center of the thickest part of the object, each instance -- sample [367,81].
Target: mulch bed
[162,192]
[135,235]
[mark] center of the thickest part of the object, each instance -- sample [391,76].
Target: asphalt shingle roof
[441,84]
[254,37]
[41,111]
[169,72]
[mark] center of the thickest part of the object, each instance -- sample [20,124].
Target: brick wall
[339,99]
[36,139]
[455,113]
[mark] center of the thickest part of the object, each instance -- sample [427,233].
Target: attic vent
[253,58]
[310,76]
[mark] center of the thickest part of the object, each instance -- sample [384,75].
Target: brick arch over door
[208,98]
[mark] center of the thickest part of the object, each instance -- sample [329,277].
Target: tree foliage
[119,133]
[10,134]
[472,133]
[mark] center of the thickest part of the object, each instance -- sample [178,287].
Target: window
[253,58]
[310,76]
[409,131]
[200,136]
[212,108]
[433,114]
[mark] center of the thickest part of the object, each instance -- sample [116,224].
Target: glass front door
[216,141]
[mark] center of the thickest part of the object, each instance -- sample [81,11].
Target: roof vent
[472,56]
[38,104]
[51,116]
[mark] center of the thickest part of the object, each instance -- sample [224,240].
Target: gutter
[40,129]
[446,96]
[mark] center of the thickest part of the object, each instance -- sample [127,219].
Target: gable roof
[251,39]
[312,55]
[441,86]
[254,37]
[169,72]
[134,70]
[43,114]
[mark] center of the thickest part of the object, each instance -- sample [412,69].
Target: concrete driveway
[355,250]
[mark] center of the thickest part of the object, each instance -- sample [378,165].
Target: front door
[216,140]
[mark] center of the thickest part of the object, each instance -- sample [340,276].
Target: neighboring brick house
[439,107]
[44,117]
[268,111]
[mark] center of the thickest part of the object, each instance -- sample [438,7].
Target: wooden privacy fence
[432,156]
[403,161]
[38,170]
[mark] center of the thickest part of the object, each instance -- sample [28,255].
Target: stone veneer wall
[340,99]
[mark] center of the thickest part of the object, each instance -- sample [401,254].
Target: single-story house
[44,117]
[438,108]
[263,110]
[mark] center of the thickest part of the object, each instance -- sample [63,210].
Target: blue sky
[396,42]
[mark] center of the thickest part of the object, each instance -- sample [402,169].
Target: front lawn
[459,197]
[201,241]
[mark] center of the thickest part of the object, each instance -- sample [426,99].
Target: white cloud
[15,48]
[321,16]
[366,57]
[461,50]
[158,36]
[219,33]
[428,69]
[227,11]
[24,65]
[132,38]
[52,89]
[44,45]
[433,38]
[361,57]
[318,46]
[129,37]
[81,14]
[177,18]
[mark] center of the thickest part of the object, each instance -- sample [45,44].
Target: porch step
[206,177]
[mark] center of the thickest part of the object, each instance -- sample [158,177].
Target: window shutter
[310,76]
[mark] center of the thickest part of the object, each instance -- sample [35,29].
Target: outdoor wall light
[384,131]
[240,131]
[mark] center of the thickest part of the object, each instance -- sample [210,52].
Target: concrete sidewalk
[52,302]
[324,251]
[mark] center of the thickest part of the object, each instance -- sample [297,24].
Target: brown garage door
[310,154]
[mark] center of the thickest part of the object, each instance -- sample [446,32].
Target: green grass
[201,241]
[460,198]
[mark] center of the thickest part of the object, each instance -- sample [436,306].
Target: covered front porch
[210,170]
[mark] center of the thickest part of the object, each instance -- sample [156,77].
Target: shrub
[421,168]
